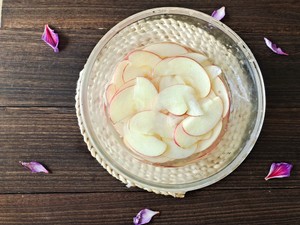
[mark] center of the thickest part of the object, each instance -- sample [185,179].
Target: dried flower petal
[279,170]
[274,47]
[219,13]
[51,38]
[34,167]
[144,216]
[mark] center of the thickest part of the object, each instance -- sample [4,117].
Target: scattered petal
[219,13]
[274,47]
[279,170]
[144,216]
[51,38]
[34,167]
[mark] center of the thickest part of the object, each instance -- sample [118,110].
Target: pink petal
[51,38]
[34,167]
[219,13]
[144,216]
[279,170]
[274,47]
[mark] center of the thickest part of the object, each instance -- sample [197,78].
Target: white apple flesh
[122,105]
[200,125]
[213,71]
[205,144]
[143,58]
[220,89]
[173,99]
[184,140]
[191,72]
[126,85]
[144,144]
[131,71]
[168,81]
[144,94]
[118,73]
[141,65]
[175,152]
[199,58]
[153,123]
[166,49]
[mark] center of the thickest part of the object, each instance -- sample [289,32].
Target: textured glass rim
[257,78]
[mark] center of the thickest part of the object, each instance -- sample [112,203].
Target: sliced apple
[194,108]
[175,152]
[213,71]
[199,58]
[126,85]
[184,140]
[167,81]
[199,125]
[220,89]
[189,70]
[211,94]
[166,49]
[143,58]
[205,144]
[131,71]
[141,65]
[143,122]
[110,92]
[173,99]
[153,123]
[122,105]
[155,81]
[144,144]
[118,73]
[144,94]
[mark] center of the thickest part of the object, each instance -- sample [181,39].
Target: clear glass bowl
[197,31]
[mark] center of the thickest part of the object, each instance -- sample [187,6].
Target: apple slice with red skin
[126,85]
[141,65]
[174,152]
[216,135]
[144,58]
[191,72]
[199,58]
[168,81]
[184,140]
[166,49]
[131,99]
[153,123]
[173,99]
[117,79]
[220,89]
[122,105]
[110,92]
[144,144]
[199,125]
[144,94]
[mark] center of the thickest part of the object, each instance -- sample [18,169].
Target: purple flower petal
[279,170]
[144,216]
[34,167]
[274,47]
[51,38]
[219,13]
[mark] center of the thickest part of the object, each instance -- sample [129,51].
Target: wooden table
[38,121]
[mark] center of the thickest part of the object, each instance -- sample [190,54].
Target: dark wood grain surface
[38,120]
